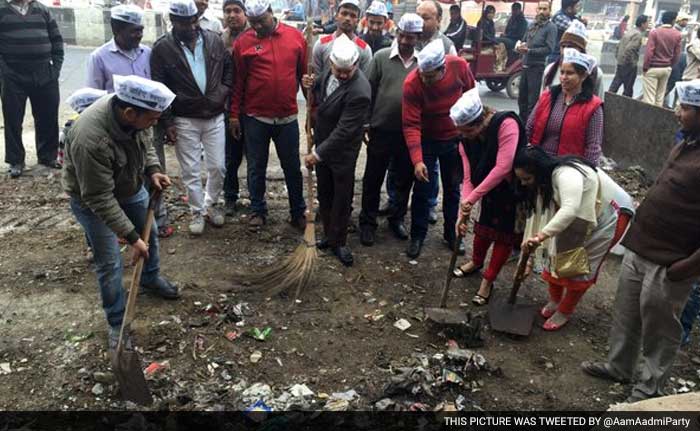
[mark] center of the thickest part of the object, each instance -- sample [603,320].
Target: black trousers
[44,99]
[625,75]
[383,147]
[336,187]
[529,90]
[234,158]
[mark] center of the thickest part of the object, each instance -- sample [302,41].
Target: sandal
[460,273]
[551,326]
[547,312]
[165,231]
[480,300]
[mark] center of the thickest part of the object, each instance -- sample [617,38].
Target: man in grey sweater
[540,41]
[387,72]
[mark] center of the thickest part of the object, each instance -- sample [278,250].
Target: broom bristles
[295,271]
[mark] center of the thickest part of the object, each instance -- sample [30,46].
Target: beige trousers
[646,320]
[654,85]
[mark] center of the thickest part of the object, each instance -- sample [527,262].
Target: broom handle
[136,275]
[309,34]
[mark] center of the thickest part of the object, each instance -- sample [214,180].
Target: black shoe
[414,248]
[161,287]
[51,164]
[451,245]
[322,244]
[367,236]
[230,208]
[298,223]
[113,338]
[386,210]
[16,170]
[399,230]
[344,255]
[432,216]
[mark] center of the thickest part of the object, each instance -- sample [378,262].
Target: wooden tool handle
[519,274]
[453,261]
[136,275]
[309,35]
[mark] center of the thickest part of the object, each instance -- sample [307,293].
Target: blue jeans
[391,185]
[108,260]
[257,148]
[690,313]
[445,153]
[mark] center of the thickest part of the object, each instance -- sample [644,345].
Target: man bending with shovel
[107,155]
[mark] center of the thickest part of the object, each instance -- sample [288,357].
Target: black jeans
[625,75]
[383,147]
[234,158]
[447,154]
[529,90]
[44,99]
[336,186]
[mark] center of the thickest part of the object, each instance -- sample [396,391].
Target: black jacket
[340,119]
[169,66]
[516,27]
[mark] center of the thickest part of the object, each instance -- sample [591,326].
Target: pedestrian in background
[31,56]
[628,57]
[662,52]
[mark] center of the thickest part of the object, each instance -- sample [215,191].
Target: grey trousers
[646,320]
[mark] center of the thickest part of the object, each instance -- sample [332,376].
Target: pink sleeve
[507,144]
[467,186]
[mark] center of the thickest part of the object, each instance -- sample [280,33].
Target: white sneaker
[197,224]
[215,216]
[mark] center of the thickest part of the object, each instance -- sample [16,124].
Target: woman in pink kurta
[488,148]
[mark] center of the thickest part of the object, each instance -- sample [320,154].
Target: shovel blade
[132,383]
[445,316]
[516,319]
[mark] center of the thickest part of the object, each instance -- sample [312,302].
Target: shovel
[507,316]
[442,315]
[127,363]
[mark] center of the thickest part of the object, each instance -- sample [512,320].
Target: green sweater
[386,76]
[105,164]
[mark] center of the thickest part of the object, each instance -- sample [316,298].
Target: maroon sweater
[663,47]
[666,228]
[426,109]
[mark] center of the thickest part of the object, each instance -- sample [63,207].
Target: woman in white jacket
[577,213]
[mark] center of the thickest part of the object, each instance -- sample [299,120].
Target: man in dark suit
[341,100]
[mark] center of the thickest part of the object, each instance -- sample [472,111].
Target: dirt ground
[53,332]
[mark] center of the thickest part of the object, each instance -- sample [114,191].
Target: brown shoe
[256,222]
[298,223]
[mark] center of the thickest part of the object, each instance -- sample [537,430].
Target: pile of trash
[634,180]
[428,378]
[260,397]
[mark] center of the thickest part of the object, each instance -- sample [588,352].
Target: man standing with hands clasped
[342,96]
[270,60]
[108,153]
[194,64]
[661,264]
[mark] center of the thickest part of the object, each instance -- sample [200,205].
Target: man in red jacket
[428,94]
[270,59]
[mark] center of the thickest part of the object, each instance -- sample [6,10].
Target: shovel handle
[519,274]
[453,261]
[136,275]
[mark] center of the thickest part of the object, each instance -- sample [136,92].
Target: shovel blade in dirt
[516,319]
[132,383]
[446,316]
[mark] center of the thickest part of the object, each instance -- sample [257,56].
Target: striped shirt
[550,140]
[29,39]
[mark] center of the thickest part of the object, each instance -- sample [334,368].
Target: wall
[91,26]
[637,133]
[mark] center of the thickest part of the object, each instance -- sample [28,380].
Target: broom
[297,269]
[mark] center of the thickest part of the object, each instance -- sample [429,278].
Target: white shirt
[395,52]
